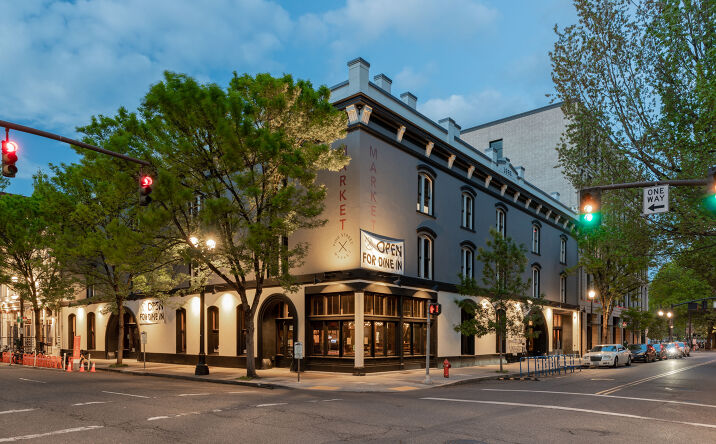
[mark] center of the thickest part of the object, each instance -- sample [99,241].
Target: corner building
[405,217]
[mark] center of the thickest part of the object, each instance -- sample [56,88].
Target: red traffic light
[9,147]
[146,181]
[9,157]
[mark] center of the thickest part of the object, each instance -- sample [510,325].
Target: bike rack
[548,365]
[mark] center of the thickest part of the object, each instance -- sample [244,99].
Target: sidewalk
[402,380]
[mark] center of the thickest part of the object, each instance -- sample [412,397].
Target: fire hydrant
[446,368]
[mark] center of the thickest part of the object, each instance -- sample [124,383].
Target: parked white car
[607,355]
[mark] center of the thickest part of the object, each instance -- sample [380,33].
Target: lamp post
[670,316]
[591,295]
[201,367]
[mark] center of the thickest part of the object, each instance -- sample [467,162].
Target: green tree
[504,293]
[100,238]
[637,320]
[28,263]
[238,166]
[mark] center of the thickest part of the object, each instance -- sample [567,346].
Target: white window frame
[467,262]
[425,199]
[535,282]
[536,235]
[562,288]
[562,250]
[425,258]
[501,222]
[468,210]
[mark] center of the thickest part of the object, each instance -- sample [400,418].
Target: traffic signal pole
[45,134]
[675,183]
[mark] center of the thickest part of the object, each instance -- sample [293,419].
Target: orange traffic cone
[93,370]
[82,367]
[69,367]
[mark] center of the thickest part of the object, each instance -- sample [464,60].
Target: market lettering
[342,180]
[373,187]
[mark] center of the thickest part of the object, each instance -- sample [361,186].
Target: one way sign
[656,199]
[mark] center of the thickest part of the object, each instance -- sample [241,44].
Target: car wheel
[616,362]
[628,364]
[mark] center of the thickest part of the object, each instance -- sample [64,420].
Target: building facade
[531,139]
[388,249]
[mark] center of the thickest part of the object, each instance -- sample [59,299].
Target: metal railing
[549,365]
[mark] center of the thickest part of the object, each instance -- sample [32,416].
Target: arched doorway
[277,330]
[536,333]
[71,330]
[131,335]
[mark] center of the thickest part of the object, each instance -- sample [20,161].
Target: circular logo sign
[342,246]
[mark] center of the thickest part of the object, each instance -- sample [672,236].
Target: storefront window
[378,305]
[316,338]
[406,339]
[367,338]
[390,338]
[333,305]
[379,339]
[349,338]
[347,304]
[332,338]
[407,307]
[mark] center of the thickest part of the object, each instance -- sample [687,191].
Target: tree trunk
[499,348]
[38,327]
[250,356]
[120,335]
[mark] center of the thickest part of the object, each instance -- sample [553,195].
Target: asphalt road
[670,401]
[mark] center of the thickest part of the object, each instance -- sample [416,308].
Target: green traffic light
[588,217]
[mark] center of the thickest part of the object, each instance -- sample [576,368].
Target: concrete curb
[264,385]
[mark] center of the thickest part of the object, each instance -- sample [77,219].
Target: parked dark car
[660,351]
[642,352]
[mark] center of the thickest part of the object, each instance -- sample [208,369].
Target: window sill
[471,230]
[426,214]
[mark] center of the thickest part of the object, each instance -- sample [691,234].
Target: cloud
[74,59]
[473,109]
[362,21]
[410,79]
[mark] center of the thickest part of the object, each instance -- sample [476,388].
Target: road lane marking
[194,394]
[602,379]
[573,409]
[604,396]
[56,432]
[92,402]
[651,378]
[126,394]
[31,380]
[154,418]
[272,404]
[16,411]
[244,391]
[331,400]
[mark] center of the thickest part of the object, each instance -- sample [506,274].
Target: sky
[65,61]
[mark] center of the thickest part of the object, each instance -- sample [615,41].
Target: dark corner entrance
[536,333]
[277,329]
[131,335]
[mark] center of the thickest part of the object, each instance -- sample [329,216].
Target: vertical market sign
[381,253]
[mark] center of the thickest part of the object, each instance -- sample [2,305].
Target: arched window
[501,221]
[425,256]
[213,327]
[467,255]
[91,343]
[241,330]
[562,288]
[535,281]
[425,193]
[71,329]
[468,204]
[535,238]
[181,330]
[562,250]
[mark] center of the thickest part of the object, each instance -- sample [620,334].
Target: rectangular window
[419,333]
[466,263]
[425,256]
[349,338]
[563,250]
[391,338]
[316,338]
[379,335]
[535,282]
[500,224]
[535,239]
[467,209]
[332,339]
[563,289]
[347,304]
[407,307]
[368,304]
[378,305]
[333,306]
[391,306]
[367,338]
[317,305]
[407,339]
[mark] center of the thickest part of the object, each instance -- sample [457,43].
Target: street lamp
[201,367]
[669,316]
[591,295]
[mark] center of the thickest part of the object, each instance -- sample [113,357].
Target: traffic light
[145,189]
[590,207]
[9,157]
[434,308]
[711,190]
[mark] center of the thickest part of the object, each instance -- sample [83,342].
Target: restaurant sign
[381,253]
[151,312]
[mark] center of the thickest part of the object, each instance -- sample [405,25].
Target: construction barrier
[549,365]
[34,360]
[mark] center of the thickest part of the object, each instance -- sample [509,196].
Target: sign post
[144,346]
[298,355]
[656,200]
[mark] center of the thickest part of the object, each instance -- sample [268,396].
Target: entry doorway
[536,334]
[131,344]
[277,331]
